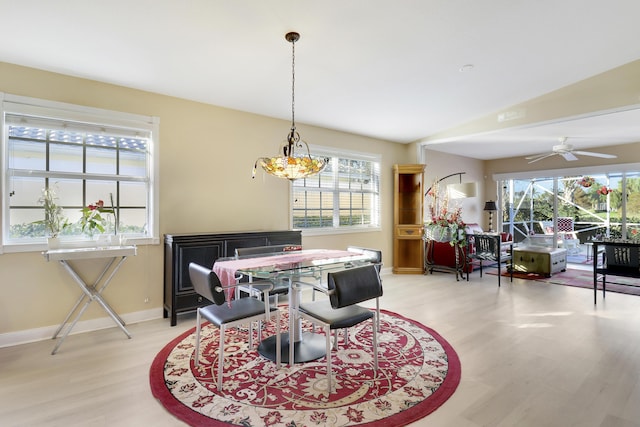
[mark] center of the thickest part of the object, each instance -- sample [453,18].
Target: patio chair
[487,248]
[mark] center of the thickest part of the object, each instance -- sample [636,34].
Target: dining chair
[224,314]
[280,287]
[376,259]
[375,255]
[488,248]
[346,288]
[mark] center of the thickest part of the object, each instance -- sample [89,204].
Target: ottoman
[539,259]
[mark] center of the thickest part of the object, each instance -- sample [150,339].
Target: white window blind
[346,195]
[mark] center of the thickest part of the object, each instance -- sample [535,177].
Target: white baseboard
[45,333]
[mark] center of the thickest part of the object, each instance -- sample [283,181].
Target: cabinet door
[202,253]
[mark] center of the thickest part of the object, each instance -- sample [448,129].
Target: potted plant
[587,181]
[91,220]
[54,220]
[446,224]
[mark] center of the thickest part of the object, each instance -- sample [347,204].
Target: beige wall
[440,165]
[206,157]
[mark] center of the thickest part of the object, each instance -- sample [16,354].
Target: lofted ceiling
[396,70]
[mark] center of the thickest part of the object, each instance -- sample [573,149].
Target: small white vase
[103,241]
[117,240]
[53,242]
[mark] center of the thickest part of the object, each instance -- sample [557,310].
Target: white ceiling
[380,68]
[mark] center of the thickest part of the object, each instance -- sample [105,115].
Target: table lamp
[490,206]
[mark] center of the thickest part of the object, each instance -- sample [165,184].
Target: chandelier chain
[293,85]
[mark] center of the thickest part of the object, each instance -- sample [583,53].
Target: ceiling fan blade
[540,157]
[592,154]
[535,156]
[569,156]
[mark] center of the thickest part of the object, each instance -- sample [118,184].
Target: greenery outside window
[345,196]
[599,201]
[84,155]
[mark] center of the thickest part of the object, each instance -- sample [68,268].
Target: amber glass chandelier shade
[290,165]
[287,164]
[292,168]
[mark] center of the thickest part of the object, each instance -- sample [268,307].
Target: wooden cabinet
[181,249]
[408,206]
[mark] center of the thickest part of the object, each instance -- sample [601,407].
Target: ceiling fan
[567,151]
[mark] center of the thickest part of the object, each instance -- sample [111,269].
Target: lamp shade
[462,190]
[490,206]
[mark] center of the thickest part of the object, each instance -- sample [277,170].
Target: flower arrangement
[445,223]
[587,181]
[54,220]
[92,219]
[604,190]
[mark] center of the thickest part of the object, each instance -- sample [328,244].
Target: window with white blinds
[84,155]
[345,196]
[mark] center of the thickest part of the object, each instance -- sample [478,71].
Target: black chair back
[622,257]
[353,285]
[487,247]
[261,250]
[206,283]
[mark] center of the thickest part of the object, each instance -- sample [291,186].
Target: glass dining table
[304,268]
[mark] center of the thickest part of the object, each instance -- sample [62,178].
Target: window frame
[625,170]
[16,105]
[334,155]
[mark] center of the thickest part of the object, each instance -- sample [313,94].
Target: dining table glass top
[267,266]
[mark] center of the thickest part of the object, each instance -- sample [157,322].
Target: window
[345,196]
[84,155]
[600,201]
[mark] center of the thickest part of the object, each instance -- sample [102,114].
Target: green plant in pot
[54,220]
[92,221]
[445,224]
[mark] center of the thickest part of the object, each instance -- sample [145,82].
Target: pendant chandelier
[287,164]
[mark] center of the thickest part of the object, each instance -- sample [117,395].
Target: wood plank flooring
[532,354]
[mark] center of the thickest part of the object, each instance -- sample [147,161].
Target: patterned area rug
[418,371]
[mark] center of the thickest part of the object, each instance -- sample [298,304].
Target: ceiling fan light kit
[567,152]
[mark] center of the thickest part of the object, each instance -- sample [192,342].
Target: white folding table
[115,256]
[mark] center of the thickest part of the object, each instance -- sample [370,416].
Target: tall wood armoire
[408,206]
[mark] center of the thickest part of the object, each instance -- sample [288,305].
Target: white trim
[61,110]
[45,333]
[338,152]
[306,232]
[584,170]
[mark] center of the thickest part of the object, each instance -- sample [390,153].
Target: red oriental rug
[418,371]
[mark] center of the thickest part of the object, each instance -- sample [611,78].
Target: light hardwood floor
[532,354]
